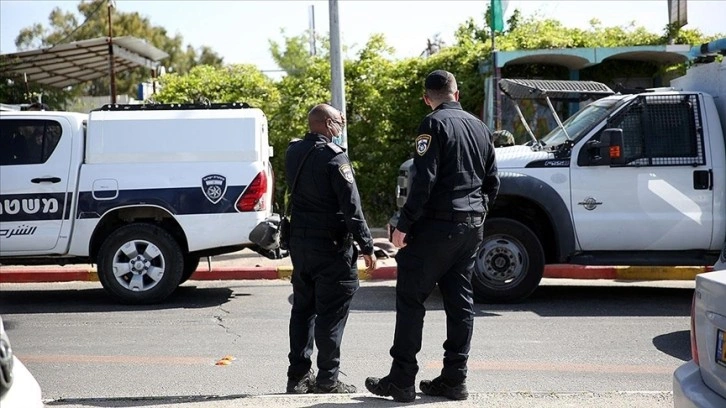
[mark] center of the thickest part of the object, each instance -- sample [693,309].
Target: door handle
[703,179]
[39,180]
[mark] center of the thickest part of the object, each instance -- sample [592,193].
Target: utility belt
[302,232]
[456,216]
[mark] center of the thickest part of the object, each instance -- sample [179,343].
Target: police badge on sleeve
[422,144]
[214,186]
[347,172]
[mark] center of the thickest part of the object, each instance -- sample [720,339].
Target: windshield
[581,122]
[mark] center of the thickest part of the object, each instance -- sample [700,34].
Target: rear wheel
[140,264]
[191,263]
[509,263]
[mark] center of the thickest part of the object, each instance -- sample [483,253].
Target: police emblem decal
[214,186]
[347,172]
[422,144]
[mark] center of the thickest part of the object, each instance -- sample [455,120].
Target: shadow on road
[556,301]
[568,300]
[98,300]
[676,344]
[143,401]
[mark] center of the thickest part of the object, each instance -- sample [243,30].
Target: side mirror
[607,150]
[614,144]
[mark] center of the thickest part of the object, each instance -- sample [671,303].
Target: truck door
[661,198]
[35,156]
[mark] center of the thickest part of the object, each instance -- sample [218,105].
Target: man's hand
[370,262]
[399,238]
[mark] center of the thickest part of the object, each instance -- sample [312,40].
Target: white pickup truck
[143,191]
[636,179]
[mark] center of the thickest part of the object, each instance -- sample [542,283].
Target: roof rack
[543,89]
[553,89]
[172,106]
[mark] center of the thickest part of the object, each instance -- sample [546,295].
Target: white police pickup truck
[143,191]
[636,179]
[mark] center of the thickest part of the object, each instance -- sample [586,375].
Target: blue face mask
[336,137]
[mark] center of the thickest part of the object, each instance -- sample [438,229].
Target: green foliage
[298,94]
[294,55]
[13,91]
[377,89]
[233,83]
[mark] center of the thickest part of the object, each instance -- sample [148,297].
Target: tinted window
[27,141]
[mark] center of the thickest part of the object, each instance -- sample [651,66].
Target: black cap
[438,80]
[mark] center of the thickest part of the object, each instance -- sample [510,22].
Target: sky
[240,30]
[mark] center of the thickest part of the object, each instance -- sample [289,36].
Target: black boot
[439,387]
[335,388]
[385,388]
[301,385]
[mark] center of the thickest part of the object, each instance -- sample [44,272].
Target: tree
[294,55]
[206,83]
[64,27]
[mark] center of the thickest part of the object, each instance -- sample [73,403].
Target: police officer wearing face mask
[326,218]
[439,232]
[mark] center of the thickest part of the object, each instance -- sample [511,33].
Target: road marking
[131,360]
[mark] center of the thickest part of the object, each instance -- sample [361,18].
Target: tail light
[694,345]
[253,198]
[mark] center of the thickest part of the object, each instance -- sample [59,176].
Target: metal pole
[337,78]
[497,101]
[111,67]
[313,48]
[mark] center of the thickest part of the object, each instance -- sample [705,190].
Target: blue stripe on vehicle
[178,201]
[34,207]
[67,212]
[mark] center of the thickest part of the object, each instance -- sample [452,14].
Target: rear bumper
[24,392]
[689,390]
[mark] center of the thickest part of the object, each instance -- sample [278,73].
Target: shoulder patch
[422,144]
[334,147]
[347,172]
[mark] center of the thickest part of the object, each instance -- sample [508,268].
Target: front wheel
[140,264]
[509,263]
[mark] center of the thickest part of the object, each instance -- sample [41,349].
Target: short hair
[440,84]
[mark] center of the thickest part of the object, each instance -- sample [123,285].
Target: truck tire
[191,263]
[509,263]
[140,264]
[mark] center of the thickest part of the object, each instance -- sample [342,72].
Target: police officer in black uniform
[326,217]
[439,232]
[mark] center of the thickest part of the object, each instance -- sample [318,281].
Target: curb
[628,273]
[89,274]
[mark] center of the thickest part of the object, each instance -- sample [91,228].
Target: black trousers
[443,253]
[324,279]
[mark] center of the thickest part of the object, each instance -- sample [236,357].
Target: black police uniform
[455,179]
[326,216]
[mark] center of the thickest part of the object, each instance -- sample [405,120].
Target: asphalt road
[572,344]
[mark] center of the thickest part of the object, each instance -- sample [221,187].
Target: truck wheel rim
[138,265]
[502,261]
